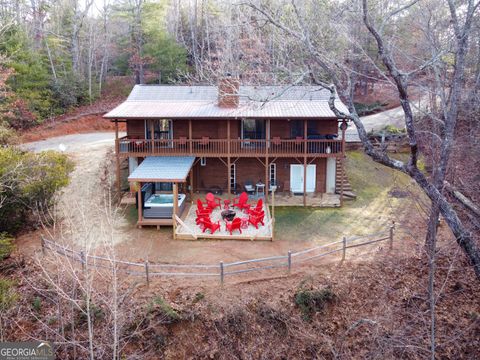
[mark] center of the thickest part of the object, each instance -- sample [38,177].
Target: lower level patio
[187,229]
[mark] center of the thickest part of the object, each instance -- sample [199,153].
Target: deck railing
[235,147]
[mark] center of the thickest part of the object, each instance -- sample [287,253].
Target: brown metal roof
[158,101]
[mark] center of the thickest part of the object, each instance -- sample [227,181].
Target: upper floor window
[297,127]
[162,129]
[253,129]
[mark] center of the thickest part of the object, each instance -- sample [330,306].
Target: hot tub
[160,206]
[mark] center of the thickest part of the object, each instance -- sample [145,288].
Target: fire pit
[228,214]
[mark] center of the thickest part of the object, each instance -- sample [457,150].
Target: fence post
[222,273]
[147,272]
[392,228]
[82,259]
[289,261]
[344,248]
[43,244]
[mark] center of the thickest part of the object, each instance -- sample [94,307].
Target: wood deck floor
[190,230]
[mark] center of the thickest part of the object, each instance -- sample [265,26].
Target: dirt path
[394,117]
[86,219]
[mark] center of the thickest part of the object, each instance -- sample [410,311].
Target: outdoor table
[226,203]
[260,189]
[244,223]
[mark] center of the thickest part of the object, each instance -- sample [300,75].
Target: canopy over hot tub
[163,169]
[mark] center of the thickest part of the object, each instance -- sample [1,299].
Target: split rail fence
[221,270]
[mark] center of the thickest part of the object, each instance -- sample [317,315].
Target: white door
[296,178]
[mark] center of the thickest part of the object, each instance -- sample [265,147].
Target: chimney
[228,87]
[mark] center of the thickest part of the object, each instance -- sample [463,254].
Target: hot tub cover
[163,169]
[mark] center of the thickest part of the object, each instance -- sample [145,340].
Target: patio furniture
[244,223]
[257,209]
[200,218]
[226,204]
[228,214]
[208,224]
[256,219]
[249,188]
[213,201]
[201,208]
[234,225]
[241,201]
[259,189]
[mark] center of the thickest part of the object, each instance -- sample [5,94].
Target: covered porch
[158,205]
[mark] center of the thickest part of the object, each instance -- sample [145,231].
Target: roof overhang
[163,169]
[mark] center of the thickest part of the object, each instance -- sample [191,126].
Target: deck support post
[140,204]
[229,170]
[305,137]
[190,135]
[267,144]
[152,136]
[175,209]
[117,160]
[191,184]
[273,213]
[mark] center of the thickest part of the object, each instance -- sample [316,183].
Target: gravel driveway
[82,205]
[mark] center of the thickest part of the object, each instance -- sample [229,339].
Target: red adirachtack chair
[208,224]
[256,219]
[257,209]
[213,201]
[241,201]
[235,224]
[202,209]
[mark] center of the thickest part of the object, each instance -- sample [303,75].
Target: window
[233,176]
[162,129]
[297,127]
[203,161]
[273,174]
[253,129]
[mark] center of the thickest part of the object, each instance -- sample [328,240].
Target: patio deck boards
[189,227]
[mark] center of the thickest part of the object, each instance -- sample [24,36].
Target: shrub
[312,301]
[7,135]
[28,182]
[6,245]
[37,304]
[8,295]
[368,109]
[166,310]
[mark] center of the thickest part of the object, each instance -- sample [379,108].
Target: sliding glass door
[253,129]
[161,129]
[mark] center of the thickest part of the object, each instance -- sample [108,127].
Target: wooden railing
[235,147]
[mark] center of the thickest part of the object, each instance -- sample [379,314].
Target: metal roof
[166,101]
[163,169]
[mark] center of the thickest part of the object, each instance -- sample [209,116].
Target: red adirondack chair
[201,217]
[202,209]
[241,201]
[208,224]
[213,201]
[257,209]
[235,224]
[256,219]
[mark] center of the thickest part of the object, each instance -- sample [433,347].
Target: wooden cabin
[232,138]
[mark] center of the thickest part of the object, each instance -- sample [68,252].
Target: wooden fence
[220,270]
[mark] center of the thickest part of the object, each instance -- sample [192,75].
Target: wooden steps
[342,179]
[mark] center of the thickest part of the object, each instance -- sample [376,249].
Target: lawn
[373,210]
